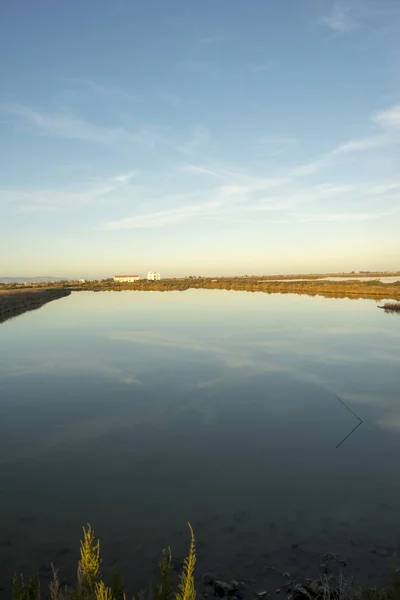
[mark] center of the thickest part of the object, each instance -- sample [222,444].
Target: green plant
[89,562]
[117,587]
[54,585]
[187,590]
[164,591]
[26,591]
[102,592]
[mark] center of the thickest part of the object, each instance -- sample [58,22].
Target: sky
[220,137]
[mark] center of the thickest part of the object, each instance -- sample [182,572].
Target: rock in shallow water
[221,588]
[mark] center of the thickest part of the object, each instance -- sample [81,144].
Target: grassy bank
[331,289]
[311,285]
[92,585]
[16,302]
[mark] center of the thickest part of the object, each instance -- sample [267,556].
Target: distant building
[126,278]
[153,276]
[81,280]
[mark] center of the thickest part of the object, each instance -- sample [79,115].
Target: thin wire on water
[354,428]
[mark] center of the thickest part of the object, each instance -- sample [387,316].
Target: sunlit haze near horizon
[199,138]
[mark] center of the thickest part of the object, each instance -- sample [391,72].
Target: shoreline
[372,290]
[16,302]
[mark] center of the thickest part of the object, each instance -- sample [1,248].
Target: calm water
[141,411]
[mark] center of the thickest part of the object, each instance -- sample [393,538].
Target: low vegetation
[90,584]
[311,285]
[372,289]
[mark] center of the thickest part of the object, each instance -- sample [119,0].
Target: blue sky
[212,137]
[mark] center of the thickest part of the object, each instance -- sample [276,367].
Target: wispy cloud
[257,195]
[359,145]
[348,217]
[225,191]
[68,198]
[161,218]
[63,125]
[340,17]
[67,126]
[388,118]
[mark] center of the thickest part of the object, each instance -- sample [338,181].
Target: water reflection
[139,411]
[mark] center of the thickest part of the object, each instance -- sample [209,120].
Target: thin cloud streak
[339,18]
[69,127]
[64,198]
[349,217]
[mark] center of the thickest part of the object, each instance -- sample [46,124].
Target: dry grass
[90,583]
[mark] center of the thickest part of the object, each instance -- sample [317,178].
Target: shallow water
[141,411]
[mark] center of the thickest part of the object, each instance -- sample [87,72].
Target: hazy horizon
[199,139]
[92,276]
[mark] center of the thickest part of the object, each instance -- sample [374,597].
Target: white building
[81,280]
[153,276]
[126,278]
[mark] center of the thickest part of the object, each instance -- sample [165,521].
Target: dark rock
[262,594]
[294,546]
[269,568]
[342,562]
[207,579]
[221,589]
[288,575]
[278,591]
